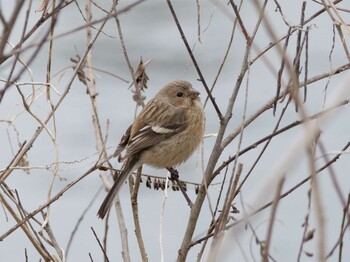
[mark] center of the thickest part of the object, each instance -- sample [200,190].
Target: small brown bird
[165,133]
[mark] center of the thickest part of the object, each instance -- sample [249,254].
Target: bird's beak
[194,94]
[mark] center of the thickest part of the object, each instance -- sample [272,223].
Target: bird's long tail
[107,202]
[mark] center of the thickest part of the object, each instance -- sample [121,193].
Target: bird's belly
[171,152]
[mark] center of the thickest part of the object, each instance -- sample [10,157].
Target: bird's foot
[174,176]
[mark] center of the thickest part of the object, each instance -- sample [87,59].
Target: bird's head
[180,93]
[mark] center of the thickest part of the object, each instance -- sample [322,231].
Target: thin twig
[279,131]
[49,202]
[134,189]
[274,43]
[80,220]
[306,225]
[100,245]
[194,61]
[49,116]
[34,242]
[285,194]
[275,202]
[240,22]
[161,224]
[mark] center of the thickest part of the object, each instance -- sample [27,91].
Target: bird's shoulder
[158,113]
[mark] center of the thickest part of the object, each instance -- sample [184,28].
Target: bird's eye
[179,94]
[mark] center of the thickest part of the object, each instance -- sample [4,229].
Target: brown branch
[318,203]
[223,218]
[306,226]
[9,26]
[275,202]
[194,61]
[280,71]
[100,141]
[135,211]
[27,147]
[343,41]
[30,60]
[49,202]
[223,62]
[341,236]
[240,22]
[288,192]
[79,221]
[254,145]
[263,149]
[46,255]
[100,245]
[343,228]
[17,49]
[269,104]
[274,43]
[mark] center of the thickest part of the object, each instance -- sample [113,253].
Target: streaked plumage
[164,134]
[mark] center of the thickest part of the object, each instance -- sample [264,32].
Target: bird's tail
[107,202]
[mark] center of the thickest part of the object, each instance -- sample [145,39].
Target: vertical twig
[225,56]
[100,245]
[305,224]
[135,211]
[342,228]
[319,210]
[306,64]
[265,251]
[240,22]
[280,71]
[198,21]
[194,61]
[165,197]
[55,170]
[80,219]
[100,144]
[221,225]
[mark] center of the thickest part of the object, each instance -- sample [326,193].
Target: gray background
[150,32]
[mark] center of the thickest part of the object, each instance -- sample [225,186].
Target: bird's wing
[151,133]
[123,142]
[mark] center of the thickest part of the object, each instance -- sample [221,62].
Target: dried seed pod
[141,76]
[184,185]
[149,182]
[197,190]
[309,235]
[162,185]
[309,254]
[234,209]
[156,184]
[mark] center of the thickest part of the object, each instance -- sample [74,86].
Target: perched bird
[165,133]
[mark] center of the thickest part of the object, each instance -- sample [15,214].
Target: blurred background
[150,32]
